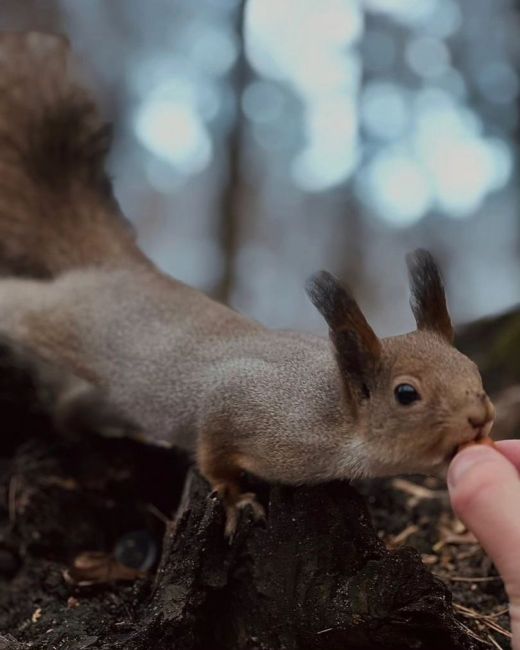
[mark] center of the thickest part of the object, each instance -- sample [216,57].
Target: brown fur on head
[415,397]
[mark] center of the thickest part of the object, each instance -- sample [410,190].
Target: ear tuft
[329,296]
[358,349]
[428,299]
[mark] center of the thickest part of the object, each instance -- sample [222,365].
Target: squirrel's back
[57,210]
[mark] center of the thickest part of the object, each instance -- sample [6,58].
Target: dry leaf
[96,567]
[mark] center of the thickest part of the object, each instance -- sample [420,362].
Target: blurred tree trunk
[352,243]
[233,194]
[31,14]
[494,344]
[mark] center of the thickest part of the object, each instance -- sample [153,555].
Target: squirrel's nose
[482,418]
[478,423]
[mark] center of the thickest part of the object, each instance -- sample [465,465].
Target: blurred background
[259,141]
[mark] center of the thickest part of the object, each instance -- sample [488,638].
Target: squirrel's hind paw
[235,501]
[232,512]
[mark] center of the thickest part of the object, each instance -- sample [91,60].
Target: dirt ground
[59,499]
[416,512]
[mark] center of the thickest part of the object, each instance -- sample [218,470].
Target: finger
[485,492]
[511,450]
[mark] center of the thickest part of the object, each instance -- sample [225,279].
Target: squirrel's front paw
[233,502]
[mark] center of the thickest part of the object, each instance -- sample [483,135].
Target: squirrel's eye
[405,394]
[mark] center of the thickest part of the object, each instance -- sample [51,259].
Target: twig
[157,513]
[475,579]
[485,619]
[418,491]
[401,537]
[472,634]
[497,628]
[493,642]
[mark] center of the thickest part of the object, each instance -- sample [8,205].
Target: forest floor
[59,500]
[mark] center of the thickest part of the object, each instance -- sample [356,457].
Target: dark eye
[405,394]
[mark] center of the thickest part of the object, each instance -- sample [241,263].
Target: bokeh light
[171,130]
[310,47]
[356,128]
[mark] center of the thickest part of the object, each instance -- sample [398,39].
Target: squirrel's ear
[428,300]
[358,349]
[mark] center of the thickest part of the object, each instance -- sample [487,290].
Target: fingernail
[465,460]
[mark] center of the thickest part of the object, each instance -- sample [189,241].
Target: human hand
[484,486]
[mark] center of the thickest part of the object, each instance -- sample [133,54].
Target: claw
[234,502]
[249,499]
[231,522]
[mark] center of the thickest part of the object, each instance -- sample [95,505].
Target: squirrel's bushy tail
[57,211]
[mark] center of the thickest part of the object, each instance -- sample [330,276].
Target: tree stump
[313,576]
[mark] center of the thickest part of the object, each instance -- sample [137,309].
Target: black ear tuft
[428,300]
[330,297]
[358,349]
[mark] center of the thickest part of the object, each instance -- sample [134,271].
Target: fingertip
[474,475]
[484,490]
[511,450]
[467,459]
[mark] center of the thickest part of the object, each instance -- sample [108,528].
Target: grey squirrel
[120,347]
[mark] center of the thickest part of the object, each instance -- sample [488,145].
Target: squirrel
[119,347]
